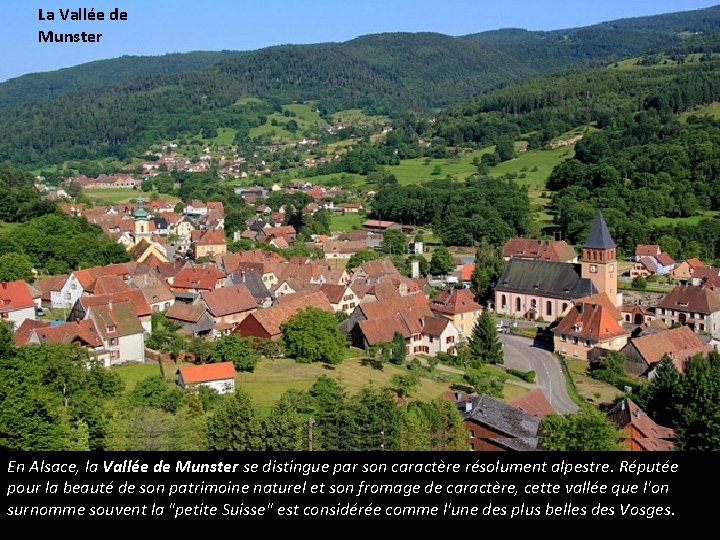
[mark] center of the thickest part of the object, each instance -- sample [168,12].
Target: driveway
[520,353]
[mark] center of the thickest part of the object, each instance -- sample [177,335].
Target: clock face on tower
[611,268]
[593,268]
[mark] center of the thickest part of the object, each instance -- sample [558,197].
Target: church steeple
[142,219]
[599,258]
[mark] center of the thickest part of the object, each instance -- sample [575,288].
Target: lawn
[355,117]
[534,166]
[713,110]
[273,377]
[346,222]
[692,220]
[306,115]
[417,170]
[591,390]
[131,374]
[119,195]
[224,137]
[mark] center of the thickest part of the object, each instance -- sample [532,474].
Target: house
[641,432]
[50,288]
[643,352]
[663,262]
[142,309]
[460,307]
[587,326]
[644,267]
[83,280]
[155,290]
[265,323]
[378,225]
[194,279]
[533,288]
[541,250]
[194,319]
[438,335]
[637,314]
[228,306]
[195,208]
[120,331]
[695,307]
[337,250]
[497,426]
[16,303]
[208,243]
[254,283]
[341,297]
[81,333]
[351,208]
[686,268]
[219,377]
[705,276]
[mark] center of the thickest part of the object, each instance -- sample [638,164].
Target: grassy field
[225,136]
[119,195]
[418,170]
[713,109]
[533,167]
[346,222]
[131,374]
[692,220]
[355,117]
[665,61]
[591,390]
[273,377]
[306,115]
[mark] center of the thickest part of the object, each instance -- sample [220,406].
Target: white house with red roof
[219,377]
[16,303]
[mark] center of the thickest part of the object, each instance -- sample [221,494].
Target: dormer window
[110,328]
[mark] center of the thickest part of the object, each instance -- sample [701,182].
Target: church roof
[544,279]
[599,237]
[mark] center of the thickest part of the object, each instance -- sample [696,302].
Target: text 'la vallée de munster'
[76,15]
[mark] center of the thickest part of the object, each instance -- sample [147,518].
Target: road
[520,353]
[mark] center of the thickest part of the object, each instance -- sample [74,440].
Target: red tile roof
[434,326]
[81,331]
[379,267]
[134,296]
[186,312]
[207,372]
[467,271]
[15,295]
[591,322]
[647,250]
[679,344]
[605,301]
[377,224]
[665,259]
[50,284]
[334,293]
[695,263]
[545,250]
[120,315]
[198,277]
[535,403]
[211,238]
[691,299]
[642,429]
[229,300]
[108,285]
[271,318]
[454,301]
[22,334]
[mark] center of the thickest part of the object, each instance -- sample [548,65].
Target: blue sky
[162,26]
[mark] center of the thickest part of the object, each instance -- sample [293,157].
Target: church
[545,290]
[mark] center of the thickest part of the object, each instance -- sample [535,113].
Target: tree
[312,335]
[330,414]
[236,425]
[441,262]
[284,428]
[15,266]
[448,430]
[660,398]
[415,426]
[404,383]
[360,257]
[394,242]
[488,267]
[372,421]
[189,426]
[153,391]
[587,430]
[484,347]
[397,356]
[202,349]
[238,350]
[639,283]
[611,369]
[483,383]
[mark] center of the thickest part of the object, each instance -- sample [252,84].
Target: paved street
[522,354]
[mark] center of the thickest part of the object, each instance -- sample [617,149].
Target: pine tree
[284,428]
[331,414]
[484,347]
[235,425]
[448,430]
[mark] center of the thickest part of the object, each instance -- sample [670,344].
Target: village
[565,298]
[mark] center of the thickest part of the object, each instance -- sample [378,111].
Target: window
[113,341]
[563,337]
[156,309]
[110,328]
[564,307]
[575,342]
[587,343]
[548,308]
[417,337]
[503,301]
[450,339]
[517,304]
[431,339]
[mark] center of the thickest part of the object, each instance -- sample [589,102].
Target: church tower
[599,263]
[142,220]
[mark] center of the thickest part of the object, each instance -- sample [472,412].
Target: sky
[155,27]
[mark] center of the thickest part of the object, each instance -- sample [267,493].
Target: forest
[126,105]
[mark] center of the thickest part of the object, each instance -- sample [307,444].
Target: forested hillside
[118,114]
